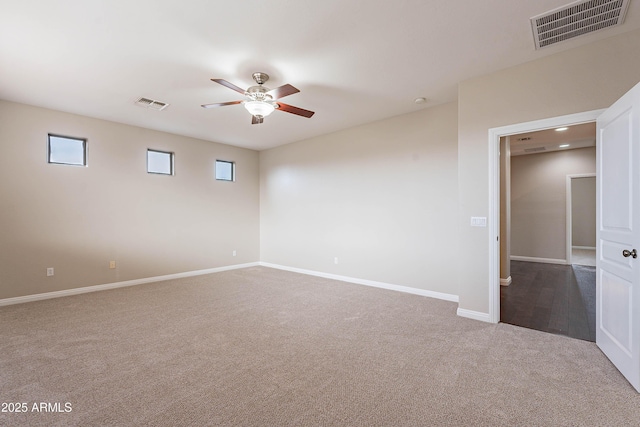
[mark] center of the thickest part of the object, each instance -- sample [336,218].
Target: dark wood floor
[559,299]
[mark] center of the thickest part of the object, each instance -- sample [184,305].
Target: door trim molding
[494,191]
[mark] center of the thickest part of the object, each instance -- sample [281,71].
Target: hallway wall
[538,200]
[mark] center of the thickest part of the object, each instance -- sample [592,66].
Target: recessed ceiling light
[420,100]
[563,146]
[561,129]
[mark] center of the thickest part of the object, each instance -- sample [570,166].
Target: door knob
[632,253]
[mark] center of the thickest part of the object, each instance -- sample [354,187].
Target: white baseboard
[96,288]
[535,259]
[87,289]
[588,248]
[505,282]
[406,289]
[475,315]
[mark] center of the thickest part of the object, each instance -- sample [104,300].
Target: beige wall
[77,219]
[582,79]
[583,212]
[539,200]
[381,197]
[391,199]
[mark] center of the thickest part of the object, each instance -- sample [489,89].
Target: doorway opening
[548,210]
[581,219]
[494,235]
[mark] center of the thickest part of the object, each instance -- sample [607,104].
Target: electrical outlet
[50,271]
[335,260]
[112,264]
[234,253]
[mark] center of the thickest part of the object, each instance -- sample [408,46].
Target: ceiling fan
[260,100]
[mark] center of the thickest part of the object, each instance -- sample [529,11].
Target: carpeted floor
[263,347]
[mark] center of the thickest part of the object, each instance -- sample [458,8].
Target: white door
[618,235]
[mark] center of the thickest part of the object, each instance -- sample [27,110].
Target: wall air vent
[576,19]
[151,103]
[534,149]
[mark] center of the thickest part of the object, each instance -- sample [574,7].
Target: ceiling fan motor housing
[258,93]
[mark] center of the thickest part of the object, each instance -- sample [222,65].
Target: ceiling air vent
[151,103]
[576,19]
[534,149]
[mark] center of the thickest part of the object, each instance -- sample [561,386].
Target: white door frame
[569,214]
[494,191]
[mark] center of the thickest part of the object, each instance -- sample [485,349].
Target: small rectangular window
[225,171]
[159,162]
[65,150]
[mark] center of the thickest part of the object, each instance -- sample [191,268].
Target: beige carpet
[262,347]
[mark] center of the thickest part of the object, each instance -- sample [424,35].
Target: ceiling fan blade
[229,85]
[295,110]
[256,121]
[221,104]
[282,91]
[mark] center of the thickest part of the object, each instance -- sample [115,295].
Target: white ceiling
[354,61]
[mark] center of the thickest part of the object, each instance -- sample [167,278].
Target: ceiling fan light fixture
[259,108]
[260,101]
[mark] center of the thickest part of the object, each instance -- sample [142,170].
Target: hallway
[560,299]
